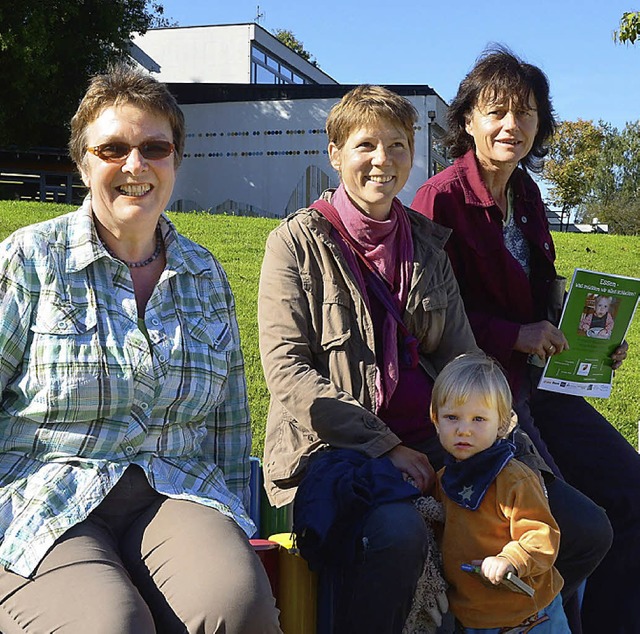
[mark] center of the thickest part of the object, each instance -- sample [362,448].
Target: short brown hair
[471,374]
[120,85]
[364,106]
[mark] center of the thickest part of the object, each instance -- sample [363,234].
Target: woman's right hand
[414,464]
[541,338]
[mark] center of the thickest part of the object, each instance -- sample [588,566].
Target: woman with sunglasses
[124,426]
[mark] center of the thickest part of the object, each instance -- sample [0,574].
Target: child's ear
[434,418]
[508,426]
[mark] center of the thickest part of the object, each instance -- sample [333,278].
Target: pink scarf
[388,246]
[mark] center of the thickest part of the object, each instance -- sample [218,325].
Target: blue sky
[436,43]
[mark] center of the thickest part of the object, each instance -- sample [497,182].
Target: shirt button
[161,357]
[62,325]
[129,449]
[546,246]
[155,322]
[524,220]
[144,406]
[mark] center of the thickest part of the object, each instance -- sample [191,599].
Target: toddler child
[599,318]
[497,517]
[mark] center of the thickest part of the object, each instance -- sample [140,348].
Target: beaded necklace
[137,265]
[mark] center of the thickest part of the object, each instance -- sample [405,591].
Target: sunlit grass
[238,243]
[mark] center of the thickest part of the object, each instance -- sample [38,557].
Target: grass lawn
[238,243]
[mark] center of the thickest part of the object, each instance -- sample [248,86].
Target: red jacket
[497,294]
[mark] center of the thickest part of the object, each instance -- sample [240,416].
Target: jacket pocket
[216,335]
[60,320]
[207,349]
[289,454]
[336,316]
[430,317]
[435,299]
[65,373]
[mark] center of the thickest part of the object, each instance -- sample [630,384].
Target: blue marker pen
[470,568]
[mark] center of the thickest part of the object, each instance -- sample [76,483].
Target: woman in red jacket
[503,257]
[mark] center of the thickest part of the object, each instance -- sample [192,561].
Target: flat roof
[192,93]
[205,26]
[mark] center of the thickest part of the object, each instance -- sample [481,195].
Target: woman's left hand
[619,355]
[415,464]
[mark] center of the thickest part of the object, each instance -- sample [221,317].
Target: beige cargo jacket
[317,342]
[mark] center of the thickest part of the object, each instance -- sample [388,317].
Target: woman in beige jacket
[358,312]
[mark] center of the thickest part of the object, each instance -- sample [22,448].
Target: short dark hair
[123,84]
[499,74]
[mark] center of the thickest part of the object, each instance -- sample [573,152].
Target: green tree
[572,162]
[617,182]
[594,170]
[629,28]
[158,18]
[48,50]
[290,40]
[621,213]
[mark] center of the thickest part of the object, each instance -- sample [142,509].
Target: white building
[262,150]
[255,114]
[224,54]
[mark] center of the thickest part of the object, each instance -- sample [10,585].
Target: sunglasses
[116,151]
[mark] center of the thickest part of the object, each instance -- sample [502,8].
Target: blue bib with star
[466,481]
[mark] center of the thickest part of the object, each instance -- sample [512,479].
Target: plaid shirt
[86,393]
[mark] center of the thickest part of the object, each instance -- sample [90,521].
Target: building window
[264,76]
[267,69]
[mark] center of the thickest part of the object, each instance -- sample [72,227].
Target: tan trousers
[142,563]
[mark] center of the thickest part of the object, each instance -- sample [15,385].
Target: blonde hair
[606,298]
[474,374]
[364,106]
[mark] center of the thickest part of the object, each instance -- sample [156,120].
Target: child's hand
[495,568]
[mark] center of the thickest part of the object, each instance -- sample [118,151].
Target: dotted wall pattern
[244,134]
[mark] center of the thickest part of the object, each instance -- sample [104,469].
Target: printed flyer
[596,316]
